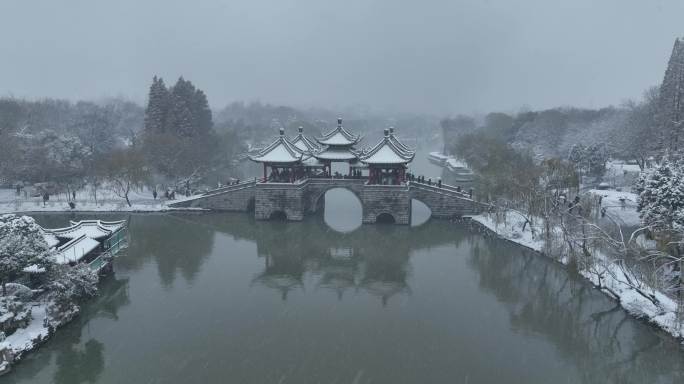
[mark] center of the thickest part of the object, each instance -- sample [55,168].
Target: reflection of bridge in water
[536,296]
[374,260]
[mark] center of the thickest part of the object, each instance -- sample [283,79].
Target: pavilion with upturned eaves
[283,158]
[300,157]
[387,161]
[338,146]
[304,143]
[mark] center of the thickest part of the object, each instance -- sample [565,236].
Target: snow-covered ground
[106,202]
[621,206]
[512,230]
[37,331]
[611,278]
[606,275]
[621,175]
[25,339]
[622,167]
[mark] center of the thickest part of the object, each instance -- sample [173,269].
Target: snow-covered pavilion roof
[50,239]
[280,151]
[93,229]
[387,152]
[339,137]
[337,154]
[398,143]
[75,249]
[313,162]
[303,142]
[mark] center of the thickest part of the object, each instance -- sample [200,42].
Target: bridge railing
[226,188]
[335,180]
[443,188]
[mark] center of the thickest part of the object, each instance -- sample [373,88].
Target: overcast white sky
[439,56]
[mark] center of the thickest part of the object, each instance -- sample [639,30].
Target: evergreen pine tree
[202,113]
[671,103]
[189,114]
[157,107]
[661,196]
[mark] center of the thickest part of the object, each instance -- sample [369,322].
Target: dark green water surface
[220,298]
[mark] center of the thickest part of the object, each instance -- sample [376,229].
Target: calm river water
[221,298]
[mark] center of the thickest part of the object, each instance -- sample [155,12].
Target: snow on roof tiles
[50,239]
[398,143]
[94,229]
[75,250]
[332,153]
[387,152]
[303,142]
[280,151]
[339,136]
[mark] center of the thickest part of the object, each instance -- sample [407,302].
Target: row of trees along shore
[115,143]
[179,145]
[533,166]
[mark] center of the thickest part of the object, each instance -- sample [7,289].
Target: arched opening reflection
[420,213]
[278,216]
[385,218]
[342,210]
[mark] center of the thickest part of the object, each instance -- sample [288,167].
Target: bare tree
[125,169]
[636,139]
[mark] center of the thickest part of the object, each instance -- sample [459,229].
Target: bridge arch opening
[420,213]
[278,216]
[342,209]
[385,218]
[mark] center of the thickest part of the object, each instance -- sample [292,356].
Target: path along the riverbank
[107,201]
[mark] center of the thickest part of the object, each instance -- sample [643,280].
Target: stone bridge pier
[298,199]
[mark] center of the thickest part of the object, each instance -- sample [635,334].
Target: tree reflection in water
[71,359]
[544,299]
[538,297]
[172,250]
[77,361]
[74,357]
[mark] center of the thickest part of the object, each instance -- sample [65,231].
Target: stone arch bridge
[294,200]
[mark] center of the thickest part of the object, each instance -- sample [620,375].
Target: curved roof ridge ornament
[398,143]
[281,150]
[339,136]
[307,144]
[386,152]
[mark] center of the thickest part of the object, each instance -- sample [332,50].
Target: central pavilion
[298,158]
[337,146]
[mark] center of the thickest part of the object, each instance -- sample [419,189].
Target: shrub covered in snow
[21,244]
[14,314]
[661,197]
[70,284]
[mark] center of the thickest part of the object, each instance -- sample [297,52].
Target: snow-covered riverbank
[606,275]
[10,202]
[38,330]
